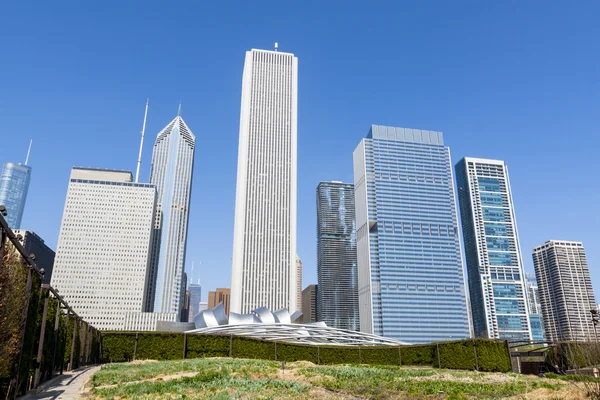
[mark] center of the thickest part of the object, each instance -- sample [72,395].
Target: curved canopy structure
[279,327]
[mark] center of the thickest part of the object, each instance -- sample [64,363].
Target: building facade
[14,185]
[44,255]
[309,303]
[104,245]
[410,275]
[565,289]
[496,277]
[171,173]
[264,242]
[221,295]
[535,307]
[298,284]
[195,299]
[336,256]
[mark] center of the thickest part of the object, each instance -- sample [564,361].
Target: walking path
[63,387]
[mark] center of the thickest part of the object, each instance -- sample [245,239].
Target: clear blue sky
[513,80]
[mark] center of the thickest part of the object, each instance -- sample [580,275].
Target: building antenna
[28,151]
[179,110]
[139,162]
[276,46]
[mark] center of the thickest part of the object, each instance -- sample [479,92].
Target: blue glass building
[410,273]
[14,184]
[496,280]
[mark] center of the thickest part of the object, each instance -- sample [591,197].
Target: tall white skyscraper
[171,173]
[264,242]
[103,250]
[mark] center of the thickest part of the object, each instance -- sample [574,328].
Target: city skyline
[489,105]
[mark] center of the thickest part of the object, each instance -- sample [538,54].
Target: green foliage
[292,352]
[159,346]
[418,355]
[116,347]
[339,355]
[207,346]
[457,355]
[380,355]
[251,348]
[492,356]
[28,355]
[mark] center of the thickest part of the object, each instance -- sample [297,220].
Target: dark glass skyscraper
[14,184]
[336,256]
[410,273]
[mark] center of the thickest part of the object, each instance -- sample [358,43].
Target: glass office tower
[14,184]
[496,278]
[410,273]
[336,256]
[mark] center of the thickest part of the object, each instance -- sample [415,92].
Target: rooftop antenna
[179,111]
[276,46]
[137,172]
[28,151]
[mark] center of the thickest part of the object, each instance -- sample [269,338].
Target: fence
[40,335]
[469,354]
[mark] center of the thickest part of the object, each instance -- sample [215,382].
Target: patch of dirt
[136,362]
[302,364]
[564,393]
[163,378]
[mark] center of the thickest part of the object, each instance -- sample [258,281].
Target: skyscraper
[103,252]
[336,256]
[298,283]
[171,173]
[535,307]
[44,255]
[14,185]
[195,299]
[220,295]
[496,277]
[565,289]
[410,275]
[309,303]
[264,239]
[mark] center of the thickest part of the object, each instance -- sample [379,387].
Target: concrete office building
[496,277]
[336,256]
[44,255]
[410,273]
[565,289]
[298,284]
[103,250]
[264,242]
[309,303]
[171,173]
[221,295]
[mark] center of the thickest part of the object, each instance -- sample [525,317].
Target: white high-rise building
[264,242]
[103,252]
[172,165]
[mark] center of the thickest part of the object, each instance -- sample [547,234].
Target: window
[504,290]
[497,243]
[510,322]
[505,306]
[493,214]
[501,259]
[489,184]
[491,199]
[494,229]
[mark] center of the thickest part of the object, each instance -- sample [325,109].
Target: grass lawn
[224,378]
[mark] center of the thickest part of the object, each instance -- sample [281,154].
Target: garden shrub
[253,348]
[418,355]
[339,355]
[380,355]
[207,346]
[492,356]
[116,347]
[292,352]
[159,346]
[457,355]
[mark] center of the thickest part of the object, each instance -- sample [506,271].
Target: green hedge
[116,347]
[292,352]
[419,355]
[457,355]
[493,356]
[380,356]
[207,346]
[252,348]
[159,346]
[339,355]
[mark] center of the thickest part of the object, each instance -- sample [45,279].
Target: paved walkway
[63,387]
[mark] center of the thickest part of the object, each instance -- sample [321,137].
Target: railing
[40,334]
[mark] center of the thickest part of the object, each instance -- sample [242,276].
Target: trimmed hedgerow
[159,346]
[207,346]
[457,355]
[380,356]
[249,348]
[116,347]
[291,352]
[339,355]
[418,355]
[492,356]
